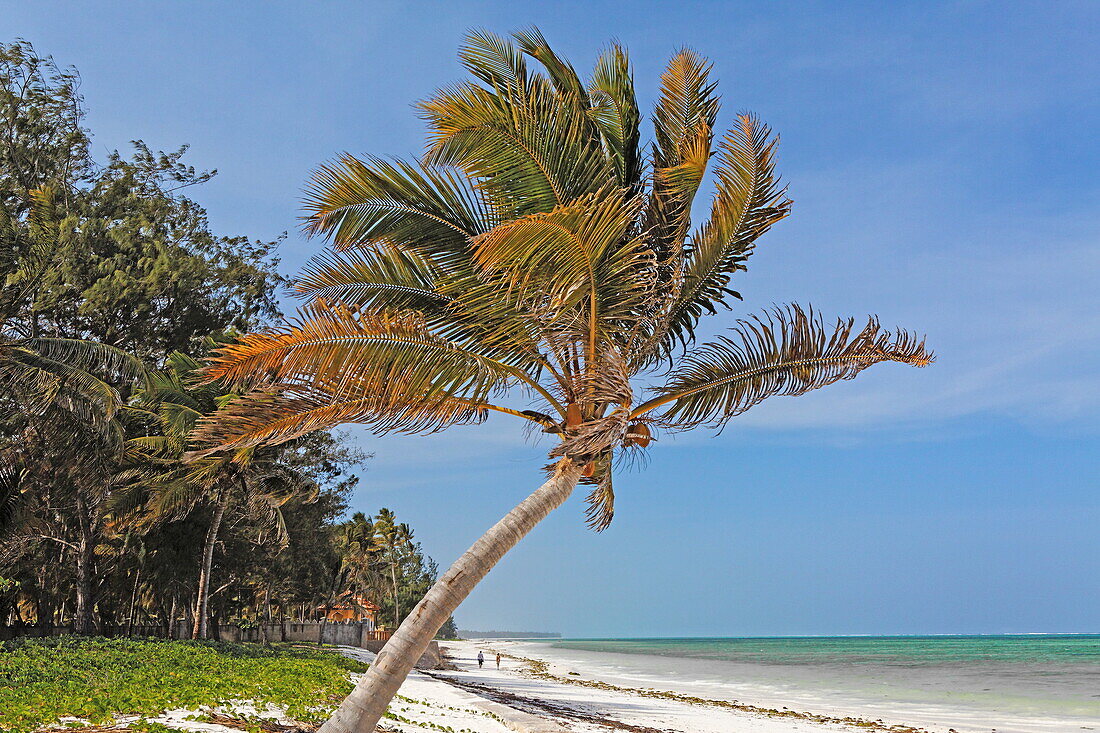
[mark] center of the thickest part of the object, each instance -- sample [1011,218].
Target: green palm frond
[786,352]
[72,375]
[106,362]
[615,112]
[683,122]
[574,258]
[529,149]
[13,496]
[430,210]
[494,60]
[686,103]
[372,279]
[748,201]
[560,71]
[43,383]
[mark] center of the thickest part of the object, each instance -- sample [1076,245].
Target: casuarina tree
[539,261]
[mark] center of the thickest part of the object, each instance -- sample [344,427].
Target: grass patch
[43,680]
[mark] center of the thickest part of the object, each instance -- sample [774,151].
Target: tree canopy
[114,284]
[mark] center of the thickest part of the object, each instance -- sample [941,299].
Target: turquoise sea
[1051,650]
[1040,682]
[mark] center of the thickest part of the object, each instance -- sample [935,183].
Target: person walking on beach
[480,660]
[498,660]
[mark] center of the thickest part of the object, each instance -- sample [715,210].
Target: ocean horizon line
[821,636]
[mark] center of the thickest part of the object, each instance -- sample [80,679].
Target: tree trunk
[133,604]
[266,627]
[84,560]
[199,629]
[361,710]
[170,622]
[396,602]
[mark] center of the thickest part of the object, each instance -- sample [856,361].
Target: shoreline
[538,680]
[542,670]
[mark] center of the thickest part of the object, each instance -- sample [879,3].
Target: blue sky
[943,160]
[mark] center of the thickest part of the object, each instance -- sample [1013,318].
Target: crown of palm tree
[540,261]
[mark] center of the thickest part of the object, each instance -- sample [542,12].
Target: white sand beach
[547,696]
[489,700]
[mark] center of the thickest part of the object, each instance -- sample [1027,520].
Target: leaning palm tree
[539,262]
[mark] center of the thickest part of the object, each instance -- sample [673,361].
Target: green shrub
[42,680]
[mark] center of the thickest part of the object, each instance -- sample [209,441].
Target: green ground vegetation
[97,679]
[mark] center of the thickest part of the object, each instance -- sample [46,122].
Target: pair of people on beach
[481,660]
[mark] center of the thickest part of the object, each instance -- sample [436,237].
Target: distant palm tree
[358,574]
[394,540]
[257,482]
[538,249]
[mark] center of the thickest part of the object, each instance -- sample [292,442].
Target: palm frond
[576,258]
[494,60]
[371,279]
[43,383]
[345,350]
[427,209]
[748,201]
[683,123]
[102,360]
[271,417]
[786,352]
[384,369]
[600,502]
[685,100]
[615,112]
[529,149]
[560,71]
[13,496]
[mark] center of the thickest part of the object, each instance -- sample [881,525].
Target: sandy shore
[537,691]
[526,696]
[539,695]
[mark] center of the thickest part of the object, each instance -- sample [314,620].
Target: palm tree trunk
[83,622]
[361,710]
[133,604]
[396,603]
[170,624]
[199,629]
[266,627]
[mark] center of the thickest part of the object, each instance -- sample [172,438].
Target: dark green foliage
[113,253]
[40,117]
[112,283]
